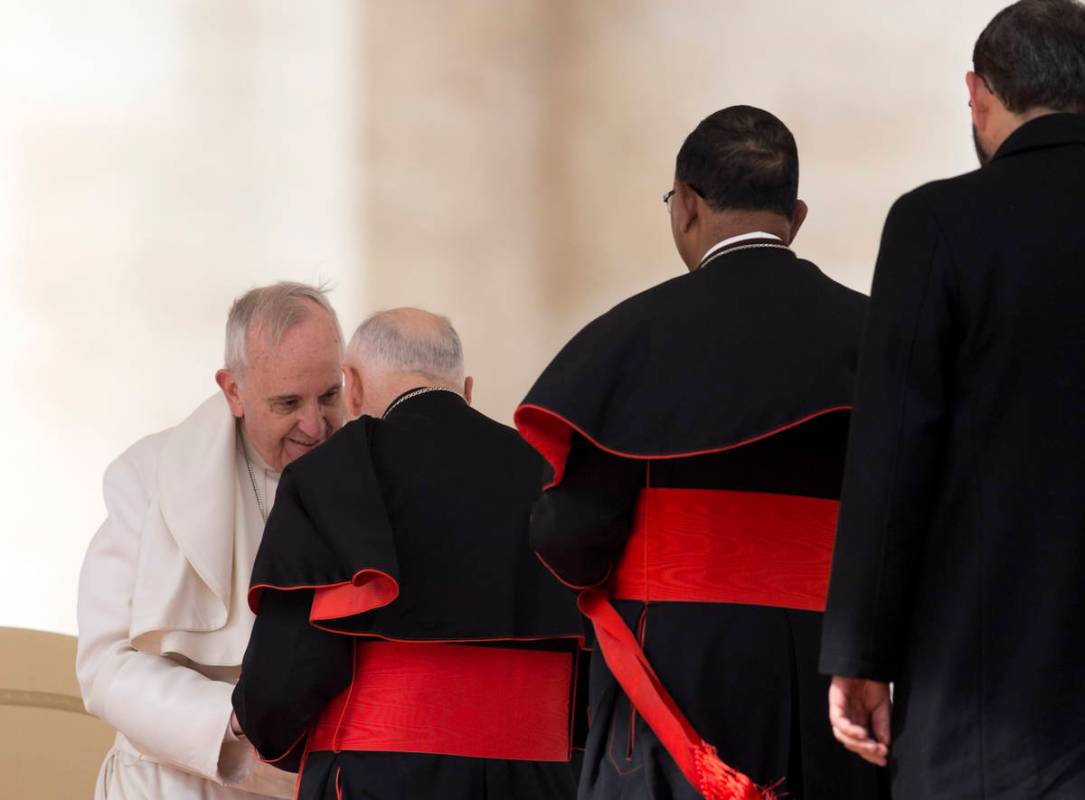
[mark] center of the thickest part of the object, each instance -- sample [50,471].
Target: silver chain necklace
[415,393]
[714,256]
[256,492]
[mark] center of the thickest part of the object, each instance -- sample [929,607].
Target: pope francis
[163,621]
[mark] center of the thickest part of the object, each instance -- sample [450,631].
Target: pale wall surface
[498,160]
[156,160]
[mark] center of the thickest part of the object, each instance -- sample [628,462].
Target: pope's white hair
[389,339]
[271,311]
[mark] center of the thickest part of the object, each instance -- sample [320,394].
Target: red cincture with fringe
[709,546]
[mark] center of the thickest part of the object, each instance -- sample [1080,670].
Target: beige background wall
[498,160]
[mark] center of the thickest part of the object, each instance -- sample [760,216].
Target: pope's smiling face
[289,396]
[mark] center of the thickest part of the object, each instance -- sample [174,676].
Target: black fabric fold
[435,499]
[653,374]
[328,524]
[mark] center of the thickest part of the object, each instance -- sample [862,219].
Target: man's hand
[857,708]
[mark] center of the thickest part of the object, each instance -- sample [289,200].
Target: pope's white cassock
[163,618]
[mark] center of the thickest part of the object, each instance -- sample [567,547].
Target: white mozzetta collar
[742,237]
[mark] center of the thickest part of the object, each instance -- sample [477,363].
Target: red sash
[713,546]
[709,546]
[452,699]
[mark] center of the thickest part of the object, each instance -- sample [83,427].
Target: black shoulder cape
[753,343]
[328,529]
[353,521]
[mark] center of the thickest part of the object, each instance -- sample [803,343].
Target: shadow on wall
[49,746]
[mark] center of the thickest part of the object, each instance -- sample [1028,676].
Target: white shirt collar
[258,462]
[740,238]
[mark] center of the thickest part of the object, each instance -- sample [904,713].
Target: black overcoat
[958,570]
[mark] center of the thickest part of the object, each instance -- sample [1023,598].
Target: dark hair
[1033,54]
[741,158]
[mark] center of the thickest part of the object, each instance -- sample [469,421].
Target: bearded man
[957,572]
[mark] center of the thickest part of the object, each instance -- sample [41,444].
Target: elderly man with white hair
[408,644]
[395,351]
[163,620]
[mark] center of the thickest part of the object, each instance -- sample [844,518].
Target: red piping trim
[572,700]
[566,583]
[301,771]
[642,635]
[362,579]
[644,553]
[254,591]
[578,638]
[557,459]
[288,751]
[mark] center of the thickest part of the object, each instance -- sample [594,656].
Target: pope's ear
[468,388]
[227,381]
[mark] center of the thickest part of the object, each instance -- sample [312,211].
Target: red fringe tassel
[718,781]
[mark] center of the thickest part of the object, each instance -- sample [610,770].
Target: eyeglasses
[667,195]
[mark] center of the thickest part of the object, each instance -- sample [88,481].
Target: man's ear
[979,99]
[798,217]
[468,386]
[228,383]
[688,207]
[685,212]
[352,386]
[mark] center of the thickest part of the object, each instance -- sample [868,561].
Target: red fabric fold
[367,590]
[697,759]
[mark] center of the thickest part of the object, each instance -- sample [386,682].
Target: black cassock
[731,385]
[402,617]
[960,564]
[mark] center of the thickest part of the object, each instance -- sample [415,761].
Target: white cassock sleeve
[169,712]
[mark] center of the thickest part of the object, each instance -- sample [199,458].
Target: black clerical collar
[1050,130]
[415,392]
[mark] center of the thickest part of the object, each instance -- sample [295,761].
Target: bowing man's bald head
[400,349]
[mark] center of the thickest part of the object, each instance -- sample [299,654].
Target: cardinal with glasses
[696,435]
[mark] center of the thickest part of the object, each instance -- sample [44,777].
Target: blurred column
[458,115]
[517,151]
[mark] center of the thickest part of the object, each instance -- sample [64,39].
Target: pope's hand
[859,711]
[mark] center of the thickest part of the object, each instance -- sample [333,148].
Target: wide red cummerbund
[452,699]
[717,546]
